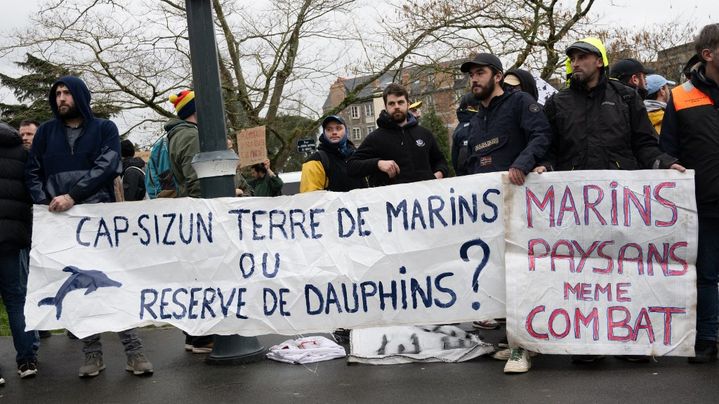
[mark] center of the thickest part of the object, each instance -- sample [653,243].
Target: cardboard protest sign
[252,146]
[420,253]
[602,262]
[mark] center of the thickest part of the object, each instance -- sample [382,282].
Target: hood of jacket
[654,105]
[385,121]
[705,84]
[9,136]
[80,96]
[133,161]
[175,124]
[468,106]
[526,82]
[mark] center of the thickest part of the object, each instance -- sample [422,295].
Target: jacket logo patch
[534,108]
[608,103]
[486,144]
[420,142]
[485,161]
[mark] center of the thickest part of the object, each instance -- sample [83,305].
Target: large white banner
[602,262]
[421,253]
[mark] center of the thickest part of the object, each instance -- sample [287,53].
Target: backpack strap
[325,160]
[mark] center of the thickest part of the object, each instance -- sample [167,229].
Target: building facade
[439,87]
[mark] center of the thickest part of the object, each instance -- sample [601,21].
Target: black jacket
[690,131]
[133,178]
[605,128]
[335,172]
[15,203]
[512,132]
[86,170]
[460,141]
[411,146]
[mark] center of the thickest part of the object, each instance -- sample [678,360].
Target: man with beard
[509,132]
[399,150]
[599,124]
[632,73]
[690,132]
[74,159]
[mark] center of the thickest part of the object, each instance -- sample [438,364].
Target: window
[354,112]
[370,129]
[368,109]
[356,133]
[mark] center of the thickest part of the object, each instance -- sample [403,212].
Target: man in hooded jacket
[399,150]
[327,167]
[74,159]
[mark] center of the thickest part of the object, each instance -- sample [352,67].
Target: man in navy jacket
[74,159]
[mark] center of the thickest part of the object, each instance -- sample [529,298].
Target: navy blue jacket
[460,141]
[512,132]
[86,171]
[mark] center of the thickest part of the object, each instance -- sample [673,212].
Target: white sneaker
[519,361]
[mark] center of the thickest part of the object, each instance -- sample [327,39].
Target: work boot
[93,365]
[705,351]
[138,364]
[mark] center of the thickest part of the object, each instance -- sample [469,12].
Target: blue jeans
[13,295]
[129,339]
[707,278]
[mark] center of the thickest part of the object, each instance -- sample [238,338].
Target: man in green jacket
[265,182]
[184,143]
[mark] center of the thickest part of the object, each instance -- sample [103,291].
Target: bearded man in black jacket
[399,150]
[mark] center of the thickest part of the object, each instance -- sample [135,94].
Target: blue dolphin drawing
[79,279]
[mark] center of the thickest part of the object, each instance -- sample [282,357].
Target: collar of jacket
[704,83]
[385,121]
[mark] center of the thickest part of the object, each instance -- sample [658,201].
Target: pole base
[235,350]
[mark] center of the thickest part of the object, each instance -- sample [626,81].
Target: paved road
[184,378]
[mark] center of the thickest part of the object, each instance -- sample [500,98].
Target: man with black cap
[510,133]
[597,123]
[399,150]
[632,73]
[327,167]
[691,132]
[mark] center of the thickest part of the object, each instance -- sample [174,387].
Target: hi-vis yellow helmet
[588,44]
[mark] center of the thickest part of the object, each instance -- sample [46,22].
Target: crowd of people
[617,116]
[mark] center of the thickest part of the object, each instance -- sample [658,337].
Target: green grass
[4,323]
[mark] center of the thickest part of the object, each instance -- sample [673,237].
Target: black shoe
[586,358]
[705,352]
[44,334]
[27,369]
[342,336]
[634,358]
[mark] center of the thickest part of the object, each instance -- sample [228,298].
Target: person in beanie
[15,230]
[184,142]
[133,173]
[75,159]
[327,167]
[690,131]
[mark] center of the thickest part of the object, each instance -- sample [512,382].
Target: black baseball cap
[584,47]
[482,59]
[626,68]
